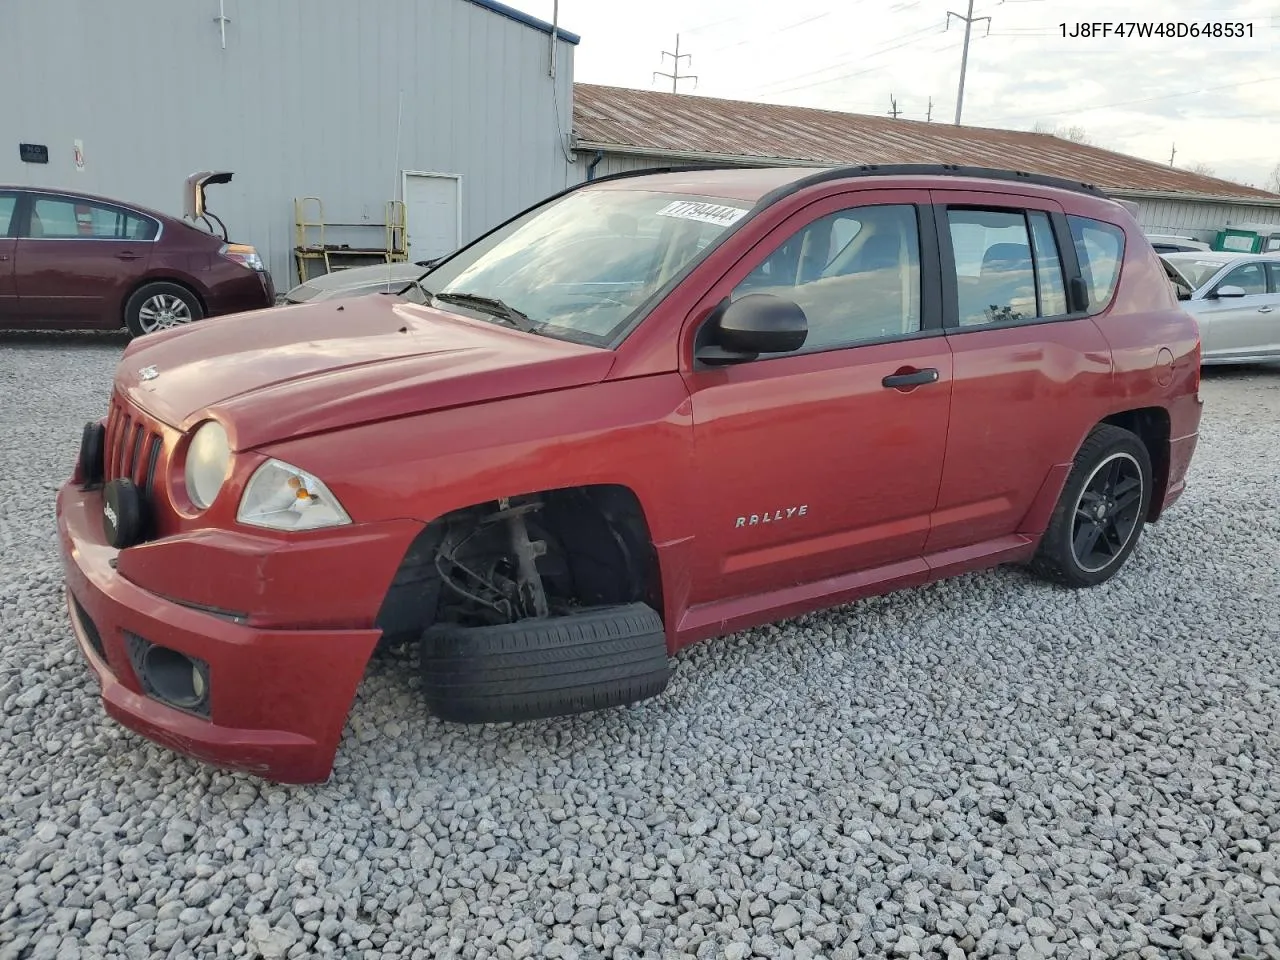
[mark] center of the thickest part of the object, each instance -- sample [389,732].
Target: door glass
[1053,290]
[8,204]
[66,219]
[995,282]
[1274,270]
[1250,278]
[855,273]
[1099,248]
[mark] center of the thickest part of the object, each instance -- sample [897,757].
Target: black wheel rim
[1107,512]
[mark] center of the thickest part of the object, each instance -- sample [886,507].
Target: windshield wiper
[494,307]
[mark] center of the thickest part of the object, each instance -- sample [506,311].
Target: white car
[1235,297]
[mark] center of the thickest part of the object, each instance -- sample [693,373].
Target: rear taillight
[244,255]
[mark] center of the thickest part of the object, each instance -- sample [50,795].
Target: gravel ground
[981,767]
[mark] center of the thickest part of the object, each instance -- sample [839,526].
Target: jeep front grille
[132,448]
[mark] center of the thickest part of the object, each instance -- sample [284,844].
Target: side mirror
[758,323]
[1228,291]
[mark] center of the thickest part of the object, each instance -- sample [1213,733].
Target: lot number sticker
[716,213]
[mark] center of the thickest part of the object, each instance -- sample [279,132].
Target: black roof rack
[954,170]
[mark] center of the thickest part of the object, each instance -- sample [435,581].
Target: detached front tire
[1101,512]
[602,657]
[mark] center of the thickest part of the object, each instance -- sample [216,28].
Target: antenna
[1173,152]
[395,187]
[675,76]
[893,107]
[928,117]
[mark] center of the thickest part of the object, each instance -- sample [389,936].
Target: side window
[995,281]
[1100,250]
[855,273]
[1274,270]
[8,207]
[1250,278]
[1053,289]
[58,218]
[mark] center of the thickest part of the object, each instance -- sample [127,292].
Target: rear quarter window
[1100,250]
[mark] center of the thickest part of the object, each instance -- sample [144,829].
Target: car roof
[1216,256]
[94,198]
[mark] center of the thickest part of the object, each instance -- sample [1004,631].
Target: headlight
[282,497]
[208,463]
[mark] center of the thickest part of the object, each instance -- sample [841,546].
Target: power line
[836,66]
[969,20]
[768,36]
[675,76]
[1127,103]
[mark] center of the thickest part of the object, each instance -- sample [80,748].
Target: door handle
[1265,309]
[910,378]
[128,255]
[4,256]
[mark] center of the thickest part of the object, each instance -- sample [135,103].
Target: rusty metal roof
[692,127]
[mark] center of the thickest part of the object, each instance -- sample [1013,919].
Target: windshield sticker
[716,213]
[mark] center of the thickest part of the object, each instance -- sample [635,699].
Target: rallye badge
[786,513]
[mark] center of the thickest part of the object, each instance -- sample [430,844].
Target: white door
[433,214]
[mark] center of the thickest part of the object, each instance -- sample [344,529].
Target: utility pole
[928,117]
[675,76]
[969,20]
[1173,153]
[893,107]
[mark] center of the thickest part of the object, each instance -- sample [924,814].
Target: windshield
[579,267]
[1196,272]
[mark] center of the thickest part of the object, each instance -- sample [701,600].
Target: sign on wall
[33,152]
[79,148]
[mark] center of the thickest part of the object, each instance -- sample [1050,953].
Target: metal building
[459,108]
[617,129]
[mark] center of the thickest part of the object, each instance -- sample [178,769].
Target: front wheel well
[128,294]
[462,567]
[1151,425]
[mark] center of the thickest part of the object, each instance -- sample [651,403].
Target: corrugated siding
[302,101]
[623,163]
[1199,219]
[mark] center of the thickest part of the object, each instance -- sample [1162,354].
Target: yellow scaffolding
[310,246]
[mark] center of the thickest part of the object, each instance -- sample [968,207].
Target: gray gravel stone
[984,766]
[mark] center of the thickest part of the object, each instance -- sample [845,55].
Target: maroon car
[70,260]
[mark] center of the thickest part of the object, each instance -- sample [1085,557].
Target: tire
[159,306]
[602,657]
[1077,523]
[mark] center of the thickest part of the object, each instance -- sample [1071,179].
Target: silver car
[1236,299]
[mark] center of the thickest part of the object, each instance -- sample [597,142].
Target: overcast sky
[1217,100]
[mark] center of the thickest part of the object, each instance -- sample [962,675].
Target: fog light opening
[176,678]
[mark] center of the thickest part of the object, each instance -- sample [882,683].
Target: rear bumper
[278,698]
[1181,451]
[247,290]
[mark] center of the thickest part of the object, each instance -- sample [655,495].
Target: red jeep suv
[651,409]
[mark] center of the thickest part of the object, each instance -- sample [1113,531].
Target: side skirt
[740,613]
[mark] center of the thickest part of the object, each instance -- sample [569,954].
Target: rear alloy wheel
[1100,515]
[160,306]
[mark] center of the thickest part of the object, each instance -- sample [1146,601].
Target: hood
[287,372]
[356,281]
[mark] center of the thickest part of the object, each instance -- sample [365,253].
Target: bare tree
[1075,134]
[1201,168]
[1273,179]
